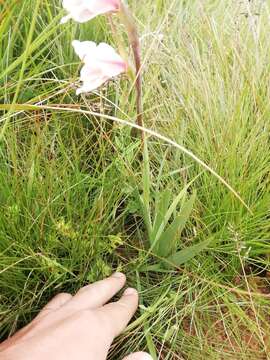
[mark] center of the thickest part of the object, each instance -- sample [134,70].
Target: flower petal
[102,6]
[112,63]
[101,62]
[84,10]
[84,48]
[65,19]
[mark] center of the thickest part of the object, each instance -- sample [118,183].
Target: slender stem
[133,36]
[137,57]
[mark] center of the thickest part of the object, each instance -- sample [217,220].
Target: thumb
[138,356]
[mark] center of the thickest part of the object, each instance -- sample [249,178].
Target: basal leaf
[183,256]
[167,241]
[162,205]
[170,211]
[146,181]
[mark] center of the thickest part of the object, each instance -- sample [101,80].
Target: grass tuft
[72,185]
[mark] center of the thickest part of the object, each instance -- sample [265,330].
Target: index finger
[97,294]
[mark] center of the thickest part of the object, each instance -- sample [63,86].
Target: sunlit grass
[69,207]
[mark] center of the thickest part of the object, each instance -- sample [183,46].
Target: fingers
[139,356]
[97,294]
[56,303]
[118,314]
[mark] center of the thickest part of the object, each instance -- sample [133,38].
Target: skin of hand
[80,327]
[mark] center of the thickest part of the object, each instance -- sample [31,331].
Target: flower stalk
[133,36]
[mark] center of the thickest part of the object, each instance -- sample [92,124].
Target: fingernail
[118,275]
[130,291]
[142,356]
[146,357]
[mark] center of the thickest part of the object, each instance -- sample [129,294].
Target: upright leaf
[171,210]
[167,240]
[161,208]
[145,198]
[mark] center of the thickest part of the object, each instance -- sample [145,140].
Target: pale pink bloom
[101,63]
[84,10]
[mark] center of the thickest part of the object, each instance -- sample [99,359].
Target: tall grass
[69,182]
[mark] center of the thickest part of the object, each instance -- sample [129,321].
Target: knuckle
[64,295]
[83,289]
[85,314]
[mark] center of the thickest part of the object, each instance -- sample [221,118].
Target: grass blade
[147,131]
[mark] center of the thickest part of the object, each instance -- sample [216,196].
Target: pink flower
[84,10]
[101,63]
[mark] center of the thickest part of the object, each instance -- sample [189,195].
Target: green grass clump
[72,185]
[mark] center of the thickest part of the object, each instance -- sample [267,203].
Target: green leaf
[162,205]
[170,212]
[146,181]
[167,241]
[154,268]
[183,256]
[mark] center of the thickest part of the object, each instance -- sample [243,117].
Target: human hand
[76,327]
